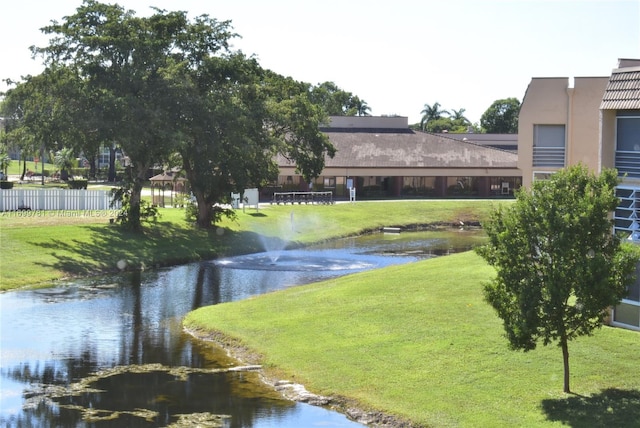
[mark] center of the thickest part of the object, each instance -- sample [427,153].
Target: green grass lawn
[15,167]
[40,246]
[418,341]
[415,341]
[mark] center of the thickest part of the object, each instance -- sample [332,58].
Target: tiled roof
[411,150]
[623,90]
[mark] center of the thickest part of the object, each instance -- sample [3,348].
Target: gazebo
[168,181]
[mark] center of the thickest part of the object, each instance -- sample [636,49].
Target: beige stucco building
[594,121]
[559,125]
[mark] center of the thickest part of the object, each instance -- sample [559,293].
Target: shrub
[79,172]
[148,212]
[77,183]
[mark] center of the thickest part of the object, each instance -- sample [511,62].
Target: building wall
[551,101]
[382,122]
[588,110]
[545,102]
[382,156]
[583,127]
[607,138]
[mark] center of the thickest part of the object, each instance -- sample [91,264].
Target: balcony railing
[548,156]
[628,163]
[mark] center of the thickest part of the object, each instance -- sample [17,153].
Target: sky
[396,55]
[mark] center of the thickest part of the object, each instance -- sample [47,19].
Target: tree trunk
[565,359]
[205,212]
[134,209]
[204,219]
[92,167]
[139,177]
[111,176]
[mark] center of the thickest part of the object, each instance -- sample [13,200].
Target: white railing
[54,199]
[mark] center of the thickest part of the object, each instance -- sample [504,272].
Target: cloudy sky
[395,55]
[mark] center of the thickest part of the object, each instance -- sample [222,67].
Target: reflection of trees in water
[145,337]
[134,319]
[207,287]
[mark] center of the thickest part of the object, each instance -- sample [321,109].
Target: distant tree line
[500,118]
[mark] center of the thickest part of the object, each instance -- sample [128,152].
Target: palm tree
[63,159]
[5,161]
[354,106]
[459,117]
[431,112]
[362,108]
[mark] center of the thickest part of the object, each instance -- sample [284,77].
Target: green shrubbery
[77,183]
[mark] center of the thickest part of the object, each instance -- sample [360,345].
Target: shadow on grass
[104,248]
[611,408]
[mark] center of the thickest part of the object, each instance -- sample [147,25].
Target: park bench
[302,198]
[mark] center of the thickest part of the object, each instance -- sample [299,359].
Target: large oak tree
[235,119]
[165,84]
[128,63]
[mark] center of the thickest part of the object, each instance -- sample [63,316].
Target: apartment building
[594,121]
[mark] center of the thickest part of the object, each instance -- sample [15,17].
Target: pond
[110,351]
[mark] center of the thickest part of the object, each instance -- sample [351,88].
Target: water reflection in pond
[104,352]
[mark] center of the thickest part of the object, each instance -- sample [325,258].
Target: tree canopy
[431,113]
[167,84]
[38,112]
[337,102]
[558,265]
[235,118]
[435,119]
[501,117]
[127,62]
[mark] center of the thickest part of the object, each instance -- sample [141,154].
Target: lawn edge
[273,377]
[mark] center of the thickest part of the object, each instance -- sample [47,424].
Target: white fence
[54,199]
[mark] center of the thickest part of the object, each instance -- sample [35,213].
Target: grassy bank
[418,341]
[16,166]
[41,246]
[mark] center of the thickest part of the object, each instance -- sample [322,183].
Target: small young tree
[63,159]
[5,161]
[558,265]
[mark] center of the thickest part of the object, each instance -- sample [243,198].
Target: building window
[634,290]
[628,146]
[329,182]
[626,217]
[549,145]
[627,313]
[542,175]
[626,220]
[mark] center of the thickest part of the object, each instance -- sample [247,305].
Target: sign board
[235,200]
[251,197]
